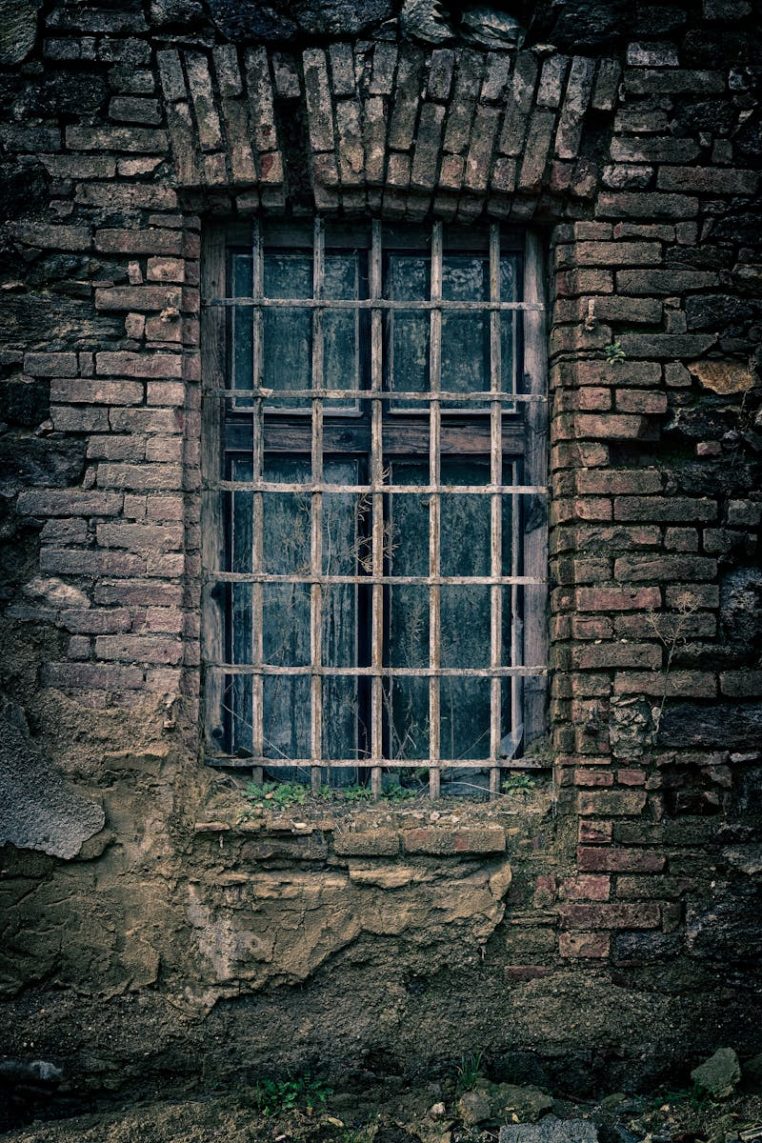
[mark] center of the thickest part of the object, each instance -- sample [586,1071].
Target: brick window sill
[420,827]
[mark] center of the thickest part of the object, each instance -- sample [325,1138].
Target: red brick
[138,298]
[599,859]
[147,240]
[617,598]
[139,364]
[587,887]
[642,567]
[615,803]
[610,916]
[631,777]
[591,777]
[139,648]
[595,832]
[590,945]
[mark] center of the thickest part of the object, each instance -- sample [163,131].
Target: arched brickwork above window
[398,128]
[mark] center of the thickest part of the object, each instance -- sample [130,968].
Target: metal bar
[386,580]
[377,509]
[372,304]
[257,506]
[435,506]
[364,489]
[316,542]
[383,764]
[381,671]
[496,508]
[380,395]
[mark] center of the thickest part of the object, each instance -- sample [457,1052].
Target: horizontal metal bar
[248,761]
[390,580]
[308,671]
[373,395]
[369,489]
[370,304]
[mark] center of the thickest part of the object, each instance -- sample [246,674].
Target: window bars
[374,502]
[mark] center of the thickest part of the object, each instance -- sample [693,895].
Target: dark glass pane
[508,322]
[238,690]
[287,519]
[240,326]
[287,333]
[287,719]
[465,521]
[465,336]
[465,706]
[407,278]
[341,328]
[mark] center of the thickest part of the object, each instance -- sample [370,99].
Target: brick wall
[637,154]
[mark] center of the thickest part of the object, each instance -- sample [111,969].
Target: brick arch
[383,127]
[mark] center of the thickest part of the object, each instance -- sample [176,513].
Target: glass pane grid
[372,605]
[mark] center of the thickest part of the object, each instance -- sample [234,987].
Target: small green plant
[614,352]
[273,1097]
[518,782]
[276,794]
[469,1071]
[695,1096]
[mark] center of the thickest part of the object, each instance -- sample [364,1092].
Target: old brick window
[374,523]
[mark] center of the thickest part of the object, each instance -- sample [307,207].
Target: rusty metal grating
[374,501]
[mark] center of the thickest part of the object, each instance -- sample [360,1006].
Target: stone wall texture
[602,927]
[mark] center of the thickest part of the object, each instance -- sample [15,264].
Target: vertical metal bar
[316,544]
[496,531]
[435,433]
[377,513]
[257,505]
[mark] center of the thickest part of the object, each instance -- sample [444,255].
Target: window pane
[508,322]
[240,326]
[407,278]
[465,336]
[341,328]
[287,333]
[465,710]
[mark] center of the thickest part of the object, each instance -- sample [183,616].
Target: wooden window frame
[510,425]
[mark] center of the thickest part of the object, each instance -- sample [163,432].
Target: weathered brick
[587,887]
[617,598]
[95,676]
[367,843]
[613,254]
[50,364]
[664,508]
[641,401]
[139,364]
[611,803]
[134,109]
[126,196]
[610,916]
[96,620]
[668,149]
[588,945]
[487,839]
[141,240]
[116,139]
[708,180]
[631,204]
[666,345]
[140,476]
[138,298]
[605,655]
[673,81]
[104,392]
[664,281]
[675,684]
[673,569]
[741,684]
[141,537]
[601,859]
[68,502]
[139,648]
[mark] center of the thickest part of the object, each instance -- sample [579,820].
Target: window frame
[522,432]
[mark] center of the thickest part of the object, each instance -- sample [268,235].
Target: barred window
[374,506]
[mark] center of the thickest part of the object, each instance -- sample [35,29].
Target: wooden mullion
[257,505]
[496,507]
[213,352]
[377,511]
[316,544]
[435,506]
[535,472]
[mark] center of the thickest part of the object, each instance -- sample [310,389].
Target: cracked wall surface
[601,921]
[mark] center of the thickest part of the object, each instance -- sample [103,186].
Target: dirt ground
[307,1112]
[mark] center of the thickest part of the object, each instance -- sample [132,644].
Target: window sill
[418,827]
